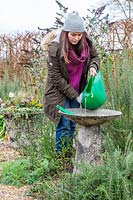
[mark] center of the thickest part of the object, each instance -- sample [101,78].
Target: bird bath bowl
[89,137]
[86,117]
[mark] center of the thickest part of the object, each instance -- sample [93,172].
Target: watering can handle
[90,93]
[93,78]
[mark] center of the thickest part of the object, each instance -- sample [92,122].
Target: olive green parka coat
[57,86]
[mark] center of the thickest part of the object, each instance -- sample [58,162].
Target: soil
[8,192]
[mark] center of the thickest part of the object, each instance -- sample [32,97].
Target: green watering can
[94,94]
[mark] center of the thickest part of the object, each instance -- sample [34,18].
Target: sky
[28,15]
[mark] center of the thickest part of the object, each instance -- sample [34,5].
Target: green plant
[22,116]
[19,106]
[21,172]
[111,180]
[7,85]
[2,127]
[37,69]
[119,86]
[39,161]
[43,146]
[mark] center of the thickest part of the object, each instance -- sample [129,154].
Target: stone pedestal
[89,144]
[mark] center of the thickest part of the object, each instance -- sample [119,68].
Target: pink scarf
[75,59]
[76,66]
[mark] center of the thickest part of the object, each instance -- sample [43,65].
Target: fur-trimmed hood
[53,36]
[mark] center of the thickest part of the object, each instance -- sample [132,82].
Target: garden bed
[22,125]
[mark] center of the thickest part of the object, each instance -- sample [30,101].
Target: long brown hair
[65,45]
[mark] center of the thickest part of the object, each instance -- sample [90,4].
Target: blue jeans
[65,129]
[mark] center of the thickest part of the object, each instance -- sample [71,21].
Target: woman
[71,55]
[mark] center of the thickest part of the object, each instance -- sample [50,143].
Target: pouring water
[85,104]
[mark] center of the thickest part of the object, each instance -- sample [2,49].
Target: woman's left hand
[93,71]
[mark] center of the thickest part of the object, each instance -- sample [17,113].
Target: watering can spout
[66,111]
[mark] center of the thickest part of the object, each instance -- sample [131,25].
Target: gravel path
[13,193]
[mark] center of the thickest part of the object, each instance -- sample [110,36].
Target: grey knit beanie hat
[73,23]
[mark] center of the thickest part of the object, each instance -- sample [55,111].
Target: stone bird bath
[89,137]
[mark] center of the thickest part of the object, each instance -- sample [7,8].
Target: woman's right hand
[79,98]
[93,71]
